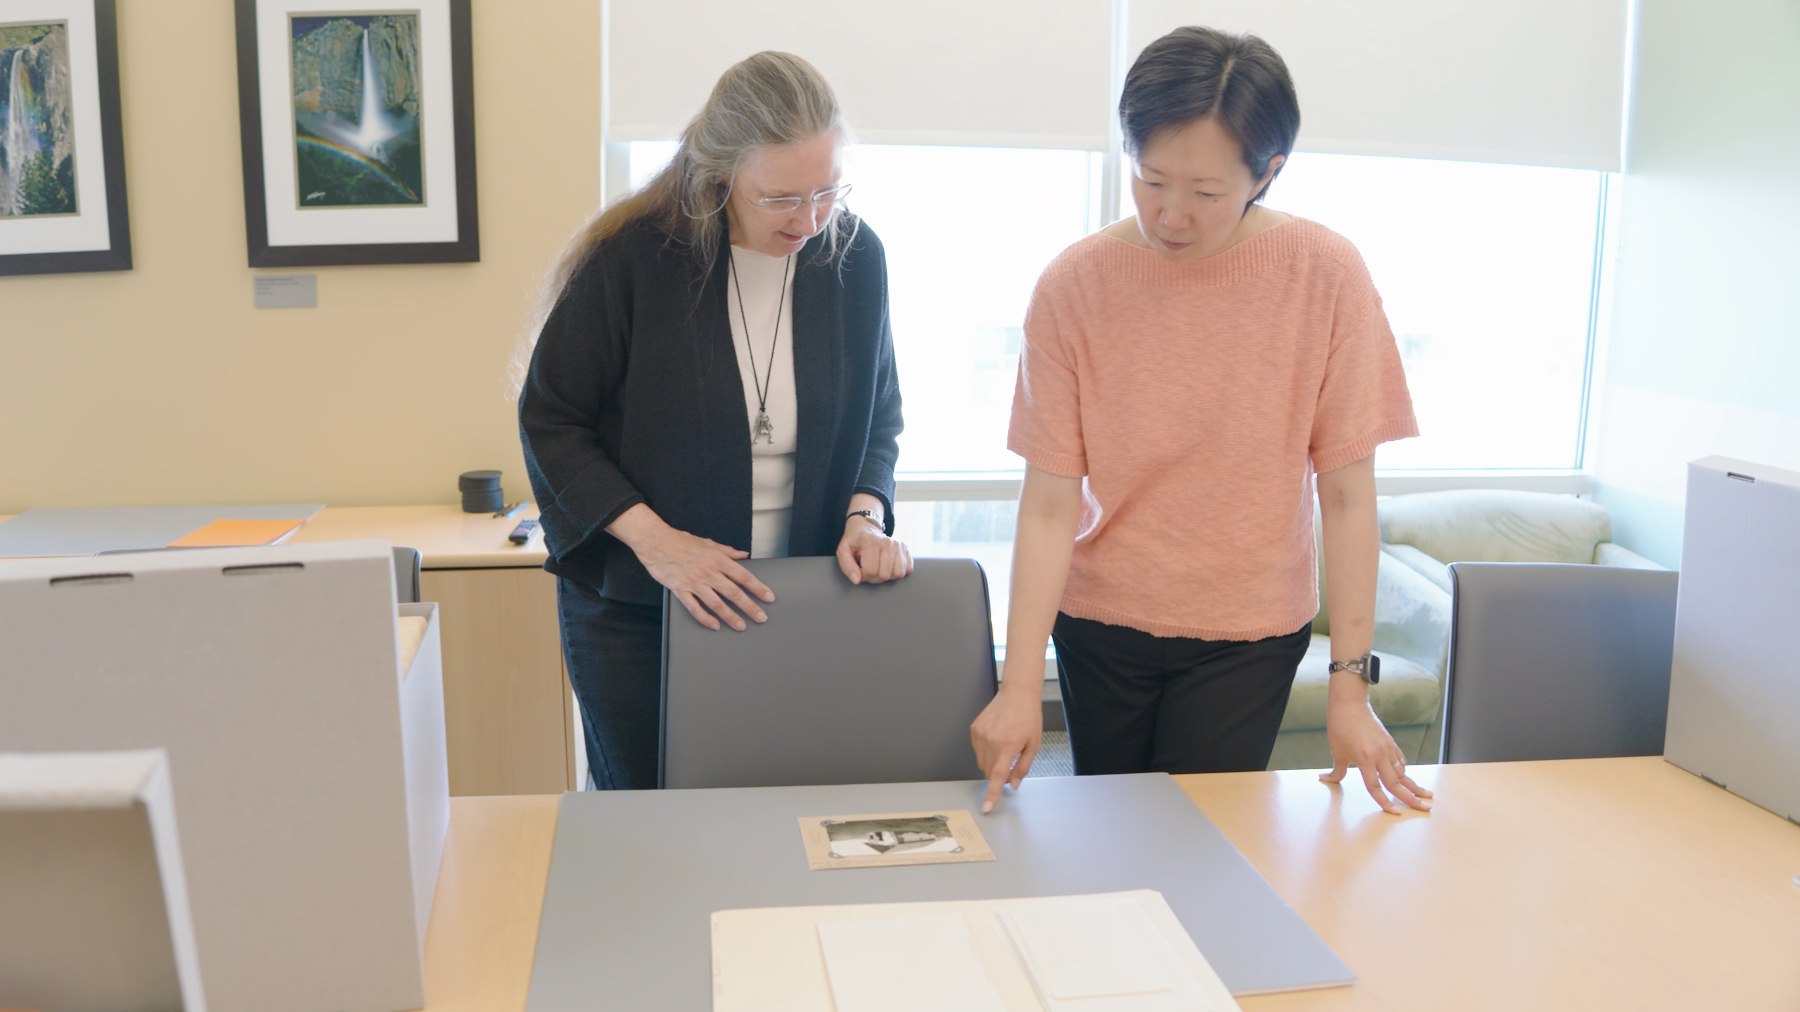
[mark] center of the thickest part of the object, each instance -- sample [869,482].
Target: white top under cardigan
[771,465]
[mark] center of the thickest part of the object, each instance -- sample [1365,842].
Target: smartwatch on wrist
[1368,667]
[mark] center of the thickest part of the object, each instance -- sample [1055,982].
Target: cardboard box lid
[269,674]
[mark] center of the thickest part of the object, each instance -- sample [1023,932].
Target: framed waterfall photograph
[62,164]
[359,132]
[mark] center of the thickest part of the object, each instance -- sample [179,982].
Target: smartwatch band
[1367,667]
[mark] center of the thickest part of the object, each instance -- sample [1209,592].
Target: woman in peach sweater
[1185,375]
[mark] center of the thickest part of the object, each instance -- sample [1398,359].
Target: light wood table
[508,714]
[1578,885]
[446,537]
[490,890]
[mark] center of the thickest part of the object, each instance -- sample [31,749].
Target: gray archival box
[308,765]
[1734,688]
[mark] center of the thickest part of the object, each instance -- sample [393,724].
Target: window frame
[915,486]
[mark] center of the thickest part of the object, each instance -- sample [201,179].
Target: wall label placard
[285,291]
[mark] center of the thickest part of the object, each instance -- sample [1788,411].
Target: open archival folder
[1118,952]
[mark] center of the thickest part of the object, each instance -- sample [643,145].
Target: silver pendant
[764,429]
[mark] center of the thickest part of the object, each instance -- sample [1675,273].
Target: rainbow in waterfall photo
[37,134]
[356,110]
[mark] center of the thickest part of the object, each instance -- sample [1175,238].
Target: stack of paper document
[1113,951]
[918,962]
[1086,952]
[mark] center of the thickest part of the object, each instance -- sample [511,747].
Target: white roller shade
[1531,82]
[1006,73]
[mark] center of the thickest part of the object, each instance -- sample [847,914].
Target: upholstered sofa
[1420,535]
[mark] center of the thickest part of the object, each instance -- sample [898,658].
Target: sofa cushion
[1412,614]
[1407,693]
[1321,624]
[1309,750]
[1495,525]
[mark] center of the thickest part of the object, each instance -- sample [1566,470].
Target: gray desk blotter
[91,530]
[636,875]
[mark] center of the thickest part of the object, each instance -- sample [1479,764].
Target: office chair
[406,575]
[843,685]
[1557,661]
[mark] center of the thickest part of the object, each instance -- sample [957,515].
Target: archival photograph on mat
[356,92]
[37,128]
[895,838]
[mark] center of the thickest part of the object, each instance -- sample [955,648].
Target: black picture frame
[117,255]
[466,247]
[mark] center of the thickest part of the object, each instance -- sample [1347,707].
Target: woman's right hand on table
[703,575]
[1008,730]
[1006,735]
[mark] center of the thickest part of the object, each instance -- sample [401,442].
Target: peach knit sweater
[1198,399]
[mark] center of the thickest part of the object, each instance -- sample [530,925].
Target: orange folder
[228,533]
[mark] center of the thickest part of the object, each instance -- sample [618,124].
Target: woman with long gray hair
[713,381]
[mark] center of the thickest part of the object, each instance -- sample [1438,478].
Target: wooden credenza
[508,714]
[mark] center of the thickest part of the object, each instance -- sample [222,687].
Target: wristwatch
[1368,666]
[874,518]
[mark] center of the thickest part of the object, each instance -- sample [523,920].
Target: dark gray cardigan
[634,395]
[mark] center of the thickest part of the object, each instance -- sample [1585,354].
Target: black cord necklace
[763,428]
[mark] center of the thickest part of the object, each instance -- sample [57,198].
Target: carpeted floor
[1053,758]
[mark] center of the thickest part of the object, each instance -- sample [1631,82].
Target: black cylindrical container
[481,492]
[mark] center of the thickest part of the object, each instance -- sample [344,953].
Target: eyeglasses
[822,198]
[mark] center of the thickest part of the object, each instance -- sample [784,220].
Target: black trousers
[613,652]
[1137,703]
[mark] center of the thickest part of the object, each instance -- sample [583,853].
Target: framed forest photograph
[358,132]
[62,164]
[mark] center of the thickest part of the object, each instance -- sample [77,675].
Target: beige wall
[162,385]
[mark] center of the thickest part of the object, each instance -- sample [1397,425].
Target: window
[980,529]
[1487,275]
[967,231]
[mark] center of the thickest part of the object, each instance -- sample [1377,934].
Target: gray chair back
[1557,661]
[844,684]
[406,575]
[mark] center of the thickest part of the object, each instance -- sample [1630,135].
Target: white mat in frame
[435,220]
[90,227]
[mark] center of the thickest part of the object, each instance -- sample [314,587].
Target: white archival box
[1734,684]
[93,909]
[309,762]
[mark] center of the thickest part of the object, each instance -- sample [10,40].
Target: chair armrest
[1607,553]
[1412,616]
[1426,566]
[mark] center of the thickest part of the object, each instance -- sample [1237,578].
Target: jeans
[613,652]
